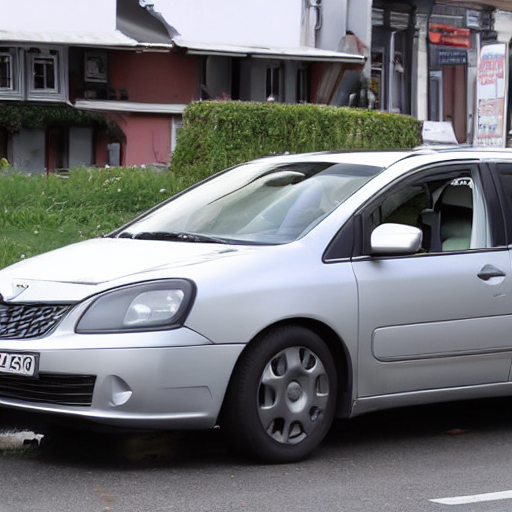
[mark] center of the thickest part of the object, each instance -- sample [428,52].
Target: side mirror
[396,239]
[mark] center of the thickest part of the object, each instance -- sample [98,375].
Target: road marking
[475,498]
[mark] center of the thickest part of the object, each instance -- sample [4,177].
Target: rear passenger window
[505,172]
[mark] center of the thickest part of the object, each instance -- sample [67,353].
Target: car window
[448,207]
[255,203]
[505,173]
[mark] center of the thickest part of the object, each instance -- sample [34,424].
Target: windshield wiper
[180,236]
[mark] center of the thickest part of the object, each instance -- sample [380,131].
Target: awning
[114,38]
[303,53]
[130,106]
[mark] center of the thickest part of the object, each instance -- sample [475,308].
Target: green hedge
[217,135]
[17,115]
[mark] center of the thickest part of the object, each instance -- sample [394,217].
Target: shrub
[217,135]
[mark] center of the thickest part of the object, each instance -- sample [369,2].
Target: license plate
[19,364]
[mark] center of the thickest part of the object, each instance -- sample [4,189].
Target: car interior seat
[455,207]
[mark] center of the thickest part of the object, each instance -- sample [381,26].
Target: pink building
[108,85]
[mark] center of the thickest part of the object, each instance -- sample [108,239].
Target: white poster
[491,96]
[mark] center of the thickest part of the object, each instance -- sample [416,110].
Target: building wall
[334,24]
[503,26]
[151,77]
[81,151]
[148,139]
[155,77]
[359,21]
[246,80]
[28,149]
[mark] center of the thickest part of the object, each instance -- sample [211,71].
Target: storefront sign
[491,88]
[449,36]
[447,57]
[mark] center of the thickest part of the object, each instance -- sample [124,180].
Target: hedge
[13,117]
[217,135]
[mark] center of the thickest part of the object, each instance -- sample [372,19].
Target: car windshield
[254,203]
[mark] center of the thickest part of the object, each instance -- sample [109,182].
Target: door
[440,318]
[454,99]
[56,149]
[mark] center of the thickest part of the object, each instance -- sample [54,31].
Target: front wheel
[282,396]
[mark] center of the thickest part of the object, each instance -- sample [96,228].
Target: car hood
[78,267]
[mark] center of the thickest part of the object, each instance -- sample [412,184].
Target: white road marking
[475,498]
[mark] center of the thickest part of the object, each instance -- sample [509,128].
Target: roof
[148,21]
[116,39]
[130,106]
[143,23]
[113,38]
[304,53]
[139,25]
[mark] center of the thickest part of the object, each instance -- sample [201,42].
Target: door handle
[489,271]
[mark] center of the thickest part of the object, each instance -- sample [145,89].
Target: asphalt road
[393,461]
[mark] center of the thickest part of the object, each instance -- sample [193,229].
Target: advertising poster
[491,94]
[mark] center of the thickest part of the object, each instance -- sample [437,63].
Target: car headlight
[154,305]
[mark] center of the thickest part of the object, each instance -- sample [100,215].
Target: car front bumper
[150,387]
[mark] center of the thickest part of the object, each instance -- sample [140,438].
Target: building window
[6,81]
[43,72]
[46,76]
[274,85]
[10,82]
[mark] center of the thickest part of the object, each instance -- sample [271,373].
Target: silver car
[273,297]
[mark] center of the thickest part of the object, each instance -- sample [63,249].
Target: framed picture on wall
[96,67]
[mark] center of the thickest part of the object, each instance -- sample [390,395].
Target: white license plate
[18,364]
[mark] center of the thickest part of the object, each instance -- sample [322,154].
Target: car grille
[49,388]
[19,321]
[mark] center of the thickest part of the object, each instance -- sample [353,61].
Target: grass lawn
[39,213]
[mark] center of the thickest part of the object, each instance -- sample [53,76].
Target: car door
[440,318]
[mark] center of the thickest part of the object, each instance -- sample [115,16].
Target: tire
[282,396]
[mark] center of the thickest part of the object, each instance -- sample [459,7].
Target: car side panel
[235,303]
[429,322]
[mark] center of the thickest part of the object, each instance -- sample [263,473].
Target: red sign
[449,36]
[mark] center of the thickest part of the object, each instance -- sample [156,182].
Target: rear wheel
[281,399]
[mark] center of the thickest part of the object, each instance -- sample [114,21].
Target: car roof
[384,159]
[376,158]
